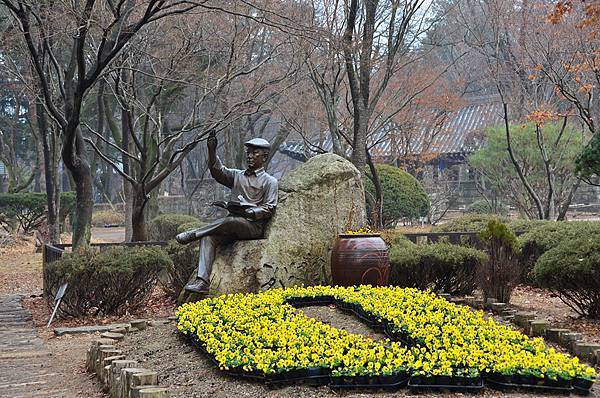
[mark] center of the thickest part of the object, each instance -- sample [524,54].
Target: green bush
[164,227]
[108,282]
[403,195]
[468,223]
[572,270]
[190,225]
[523,225]
[501,273]
[184,261]
[393,237]
[485,207]
[478,222]
[27,210]
[440,267]
[550,234]
[107,217]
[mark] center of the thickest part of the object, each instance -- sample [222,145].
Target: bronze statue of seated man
[254,198]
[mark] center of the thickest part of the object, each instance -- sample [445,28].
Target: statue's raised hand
[211,142]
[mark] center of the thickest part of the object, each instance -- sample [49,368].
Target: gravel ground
[189,373]
[550,307]
[68,361]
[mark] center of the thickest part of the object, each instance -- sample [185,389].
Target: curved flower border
[263,335]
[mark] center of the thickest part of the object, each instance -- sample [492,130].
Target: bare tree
[175,88]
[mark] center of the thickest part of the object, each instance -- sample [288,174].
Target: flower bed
[437,343]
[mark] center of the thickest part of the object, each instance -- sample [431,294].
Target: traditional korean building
[434,147]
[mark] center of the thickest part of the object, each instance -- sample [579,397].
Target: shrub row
[166,226]
[441,267]
[27,211]
[105,282]
[479,222]
[107,217]
[560,256]
[572,270]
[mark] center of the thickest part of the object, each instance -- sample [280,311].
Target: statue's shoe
[199,286]
[186,237]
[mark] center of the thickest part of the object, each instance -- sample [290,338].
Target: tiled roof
[453,133]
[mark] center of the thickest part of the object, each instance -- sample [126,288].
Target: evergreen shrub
[403,195]
[441,267]
[107,217]
[501,273]
[27,210]
[106,282]
[184,260]
[165,227]
[484,207]
[572,271]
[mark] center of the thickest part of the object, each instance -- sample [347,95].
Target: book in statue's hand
[234,207]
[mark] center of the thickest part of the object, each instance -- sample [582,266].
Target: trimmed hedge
[479,222]
[184,260]
[108,282]
[393,237]
[27,210]
[107,217]
[484,207]
[403,195]
[552,233]
[165,227]
[190,225]
[441,267]
[572,270]
[468,223]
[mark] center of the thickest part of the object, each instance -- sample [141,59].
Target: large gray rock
[317,201]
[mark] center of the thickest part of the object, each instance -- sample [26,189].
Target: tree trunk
[151,210]
[50,173]
[138,218]
[74,158]
[127,196]
[359,152]
[377,213]
[127,188]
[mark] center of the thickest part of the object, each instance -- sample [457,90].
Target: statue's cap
[259,143]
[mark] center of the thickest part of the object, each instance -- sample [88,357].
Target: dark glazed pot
[360,260]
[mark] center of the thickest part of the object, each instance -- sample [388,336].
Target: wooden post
[115,375]
[154,392]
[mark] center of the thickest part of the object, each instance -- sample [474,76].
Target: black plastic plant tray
[309,301]
[581,391]
[430,383]
[393,335]
[241,373]
[498,385]
[581,386]
[369,382]
[304,376]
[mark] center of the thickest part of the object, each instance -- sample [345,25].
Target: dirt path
[550,307]
[108,235]
[31,368]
